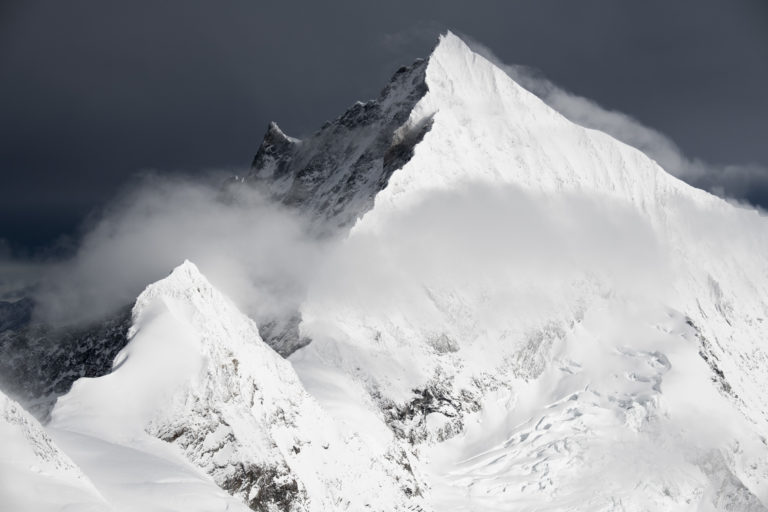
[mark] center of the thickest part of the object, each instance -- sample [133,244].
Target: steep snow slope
[197,375]
[35,475]
[481,270]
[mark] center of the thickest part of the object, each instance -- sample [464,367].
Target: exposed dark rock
[709,356]
[409,420]
[266,488]
[410,485]
[39,363]
[335,174]
[282,334]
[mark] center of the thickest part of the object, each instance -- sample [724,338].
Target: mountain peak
[187,268]
[181,280]
[197,374]
[457,74]
[450,42]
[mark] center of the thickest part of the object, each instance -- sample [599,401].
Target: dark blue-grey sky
[91,92]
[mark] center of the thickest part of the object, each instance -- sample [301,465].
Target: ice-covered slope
[475,274]
[35,475]
[196,374]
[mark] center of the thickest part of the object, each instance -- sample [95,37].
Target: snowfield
[519,314]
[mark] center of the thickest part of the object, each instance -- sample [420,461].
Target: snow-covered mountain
[519,314]
[511,239]
[196,374]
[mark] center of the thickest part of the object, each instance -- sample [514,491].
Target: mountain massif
[514,313]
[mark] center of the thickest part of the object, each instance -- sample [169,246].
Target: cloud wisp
[255,251]
[261,255]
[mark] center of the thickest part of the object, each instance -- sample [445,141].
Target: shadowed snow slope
[196,374]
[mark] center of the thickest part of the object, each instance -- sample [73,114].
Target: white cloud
[254,251]
[501,251]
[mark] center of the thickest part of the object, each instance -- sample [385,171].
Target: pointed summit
[197,374]
[450,43]
[275,144]
[334,175]
[185,281]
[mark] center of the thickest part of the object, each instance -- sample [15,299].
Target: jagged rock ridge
[334,175]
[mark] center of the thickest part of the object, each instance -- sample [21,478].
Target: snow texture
[196,374]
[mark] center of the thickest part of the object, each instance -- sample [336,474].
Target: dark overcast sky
[93,91]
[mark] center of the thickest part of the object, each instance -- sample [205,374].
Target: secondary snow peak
[187,270]
[197,375]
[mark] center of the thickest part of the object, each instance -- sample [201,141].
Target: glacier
[516,313]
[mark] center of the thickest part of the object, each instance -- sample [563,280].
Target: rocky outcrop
[39,362]
[334,175]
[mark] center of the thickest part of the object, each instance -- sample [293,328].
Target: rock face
[39,362]
[334,175]
[196,374]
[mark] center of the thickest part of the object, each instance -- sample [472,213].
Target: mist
[510,254]
[258,253]
[264,257]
